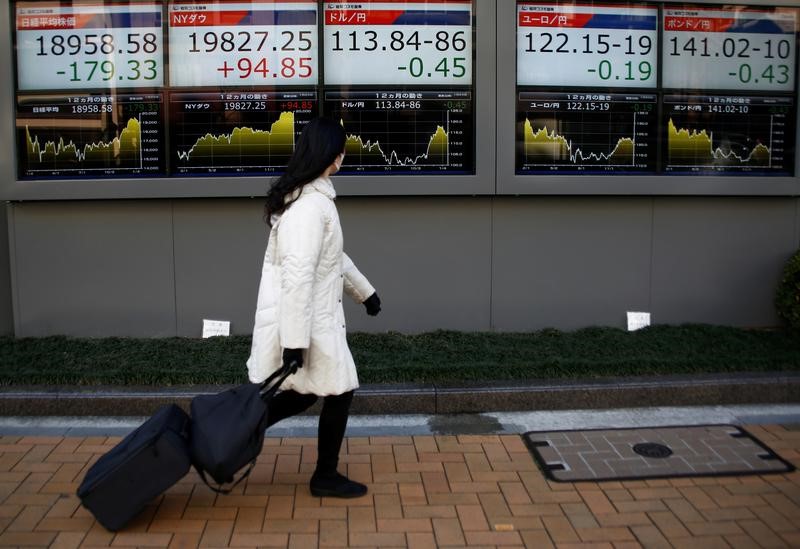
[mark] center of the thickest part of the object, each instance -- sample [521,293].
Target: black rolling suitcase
[143,465]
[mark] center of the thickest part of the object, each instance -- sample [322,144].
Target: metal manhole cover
[652,450]
[655,452]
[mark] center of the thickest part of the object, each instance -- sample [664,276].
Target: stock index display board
[108,88]
[639,88]
[399,77]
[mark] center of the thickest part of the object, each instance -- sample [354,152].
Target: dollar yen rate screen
[399,77]
[602,59]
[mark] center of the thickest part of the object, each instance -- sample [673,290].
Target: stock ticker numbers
[116,88]
[404,42]
[619,115]
[587,45]
[708,48]
[243,44]
[399,77]
[85,45]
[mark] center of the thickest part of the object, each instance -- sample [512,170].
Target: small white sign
[213,328]
[637,321]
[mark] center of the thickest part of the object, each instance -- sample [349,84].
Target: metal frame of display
[482,182]
[511,183]
[495,94]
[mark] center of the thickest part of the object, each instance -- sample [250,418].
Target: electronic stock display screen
[202,88]
[109,88]
[590,98]
[399,77]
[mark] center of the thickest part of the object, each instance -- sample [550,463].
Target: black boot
[332,424]
[336,486]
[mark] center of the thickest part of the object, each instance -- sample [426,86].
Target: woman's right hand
[292,359]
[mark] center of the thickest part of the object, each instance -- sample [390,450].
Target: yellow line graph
[278,140]
[544,146]
[122,151]
[369,153]
[696,148]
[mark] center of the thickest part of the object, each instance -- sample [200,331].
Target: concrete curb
[602,393]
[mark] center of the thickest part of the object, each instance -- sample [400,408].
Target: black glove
[373,304]
[292,359]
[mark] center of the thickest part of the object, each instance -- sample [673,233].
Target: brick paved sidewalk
[425,491]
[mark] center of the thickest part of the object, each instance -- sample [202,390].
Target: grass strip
[441,356]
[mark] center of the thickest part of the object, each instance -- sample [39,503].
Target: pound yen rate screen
[243,44]
[586,45]
[729,48]
[82,135]
[405,132]
[87,45]
[398,42]
[586,132]
[732,134]
[237,132]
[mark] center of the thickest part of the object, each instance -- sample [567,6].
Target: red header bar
[362,17]
[205,18]
[699,24]
[534,19]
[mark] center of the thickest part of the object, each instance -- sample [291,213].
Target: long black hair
[320,142]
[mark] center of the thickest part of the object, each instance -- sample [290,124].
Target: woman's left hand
[373,304]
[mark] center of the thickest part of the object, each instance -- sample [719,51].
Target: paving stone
[472,501]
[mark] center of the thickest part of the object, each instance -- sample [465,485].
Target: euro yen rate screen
[399,77]
[587,78]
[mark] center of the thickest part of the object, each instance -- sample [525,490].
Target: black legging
[332,422]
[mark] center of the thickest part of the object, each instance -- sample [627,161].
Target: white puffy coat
[300,296]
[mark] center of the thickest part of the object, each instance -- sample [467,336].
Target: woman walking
[299,324]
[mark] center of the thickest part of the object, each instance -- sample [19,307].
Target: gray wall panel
[429,259]
[219,249]
[569,262]
[6,309]
[718,260]
[797,223]
[154,268]
[94,268]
